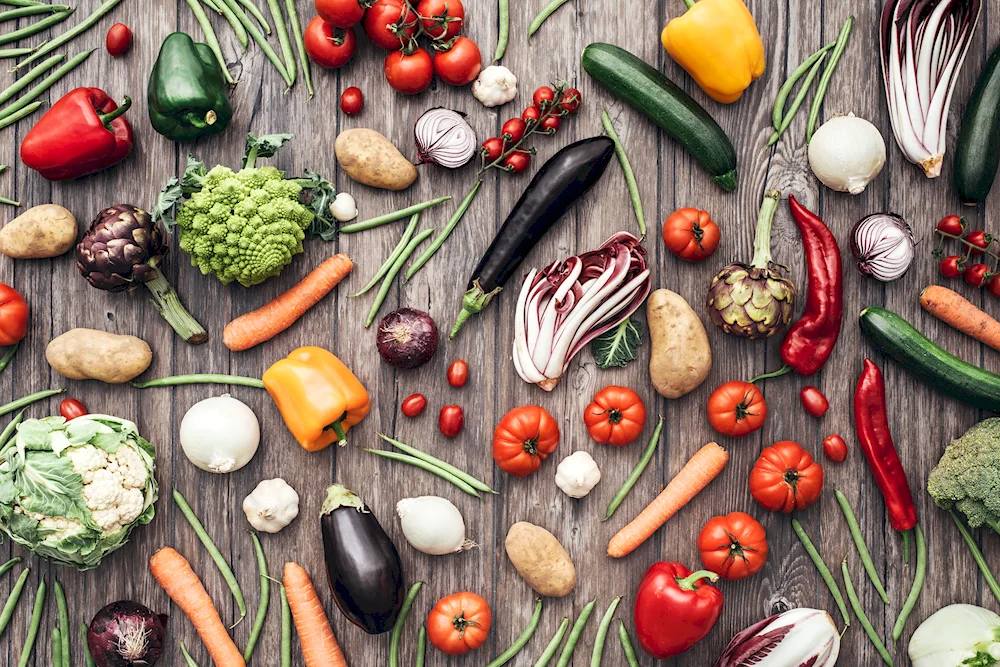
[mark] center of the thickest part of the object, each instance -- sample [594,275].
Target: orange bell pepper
[317,395]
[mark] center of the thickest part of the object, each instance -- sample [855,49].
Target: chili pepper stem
[906,547]
[774,374]
[762,238]
[690,582]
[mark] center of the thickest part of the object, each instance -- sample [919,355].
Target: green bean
[778,112]
[300,46]
[627,645]
[383,291]
[283,41]
[286,631]
[19,51]
[371,223]
[256,14]
[447,467]
[261,40]
[859,542]
[523,639]
[214,7]
[9,565]
[45,84]
[72,33]
[633,187]
[397,628]
[862,618]
[393,256]
[29,76]
[797,102]
[18,115]
[633,477]
[824,81]
[421,645]
[86,649]
[537,22]
[211,39]
[445,233]
[213,551]
[28,400]
[503,31]
[33,10]
[553,645]
[21,3]
[57,653]
[200,378]
[34,28]
[265,598]
[977,555]
[918,584]
[234,22]
[824,571]
[7,436]
[574,635]
[188,660]
[429,467]
[602,634]
[11,604]
[36,620]
[63,623]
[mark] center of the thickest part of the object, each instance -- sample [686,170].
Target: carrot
[274,317]
[319,646]
[956,311]
[696,474]
[174,574]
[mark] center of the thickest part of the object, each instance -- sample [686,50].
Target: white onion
[445,138]
[883,246]
[846,153]
[220,434]
[433,525]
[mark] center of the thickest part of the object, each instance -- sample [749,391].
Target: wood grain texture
[922,421]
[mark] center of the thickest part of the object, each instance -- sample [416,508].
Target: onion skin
[407,338]
[445,138]
[105,632]
[877,255]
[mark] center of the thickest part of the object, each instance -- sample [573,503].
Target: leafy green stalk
[617,347]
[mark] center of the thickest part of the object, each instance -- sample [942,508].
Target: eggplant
[366,575]
[561,181]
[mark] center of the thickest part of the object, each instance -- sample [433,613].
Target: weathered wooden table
[923,421]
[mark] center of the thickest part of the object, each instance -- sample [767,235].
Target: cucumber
[896,338]
[646,90]
[977,154]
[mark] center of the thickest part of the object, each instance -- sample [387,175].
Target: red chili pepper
[872,425]
[83,133]
[673,611]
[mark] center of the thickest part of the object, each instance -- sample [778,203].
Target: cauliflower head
[73,491]
[967,478]
[244,226]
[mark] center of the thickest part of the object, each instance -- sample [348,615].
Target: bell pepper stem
[762,238]
[107,118]
[689,3]
[169,306]
[339,430]
[690,582]
[773,374]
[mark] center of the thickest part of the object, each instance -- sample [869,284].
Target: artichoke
[756,300]
[122,250]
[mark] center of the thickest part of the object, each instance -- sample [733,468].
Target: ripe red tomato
[543,97]
[450,420]
[980,239]
[459,623]
[327,46]
[458,373]
[70,408]
[691,234]
[523,439]
[118,40]
[951,224]
[13,316]
[413,405]
[442,19]
[952,266]
[385,22]
[994,285]
[517,162]
[493,149]
[736,408]
[786,478]
[409,73]
[550,124]
[835,448]
[814,401]
[352,100]
[459,64]
[340,13]
[616,416]
[513,131]
[530,115]
[570,100]
[976,274]
[733,546]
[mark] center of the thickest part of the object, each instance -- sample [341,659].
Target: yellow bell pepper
[717,42]
[317,395]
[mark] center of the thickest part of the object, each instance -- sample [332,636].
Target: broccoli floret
[967,478]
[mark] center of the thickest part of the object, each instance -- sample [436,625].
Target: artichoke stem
[169,306]
[762,238]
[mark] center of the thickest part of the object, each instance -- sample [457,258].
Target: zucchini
[977,154]
[896,338]
[648,91]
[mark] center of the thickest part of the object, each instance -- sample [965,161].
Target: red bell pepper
[13,316]
[673,612]
[83,133]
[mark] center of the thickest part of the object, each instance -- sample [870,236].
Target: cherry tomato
[543,97]
[340,13]
[327,46]
[976,274]
[531,115]
[442,19]
[409,73]
[119,39]
[512,131]
[980,239]
[570,100]
[517,162]
[413,405]
[493,149]
[450,420]
[459,64]
[386,20]
[352,100]
[70,408]
[994,285]
[835,448]
[814,401]
[951,224]
[550,124]
[458,373]
[952,266]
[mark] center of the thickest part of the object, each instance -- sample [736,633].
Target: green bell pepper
[187,94]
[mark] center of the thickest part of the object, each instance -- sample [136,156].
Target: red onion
[407,338]
[569,303]
[126,634]
[445,138]
[883,245]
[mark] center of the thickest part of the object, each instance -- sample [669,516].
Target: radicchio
[796,638]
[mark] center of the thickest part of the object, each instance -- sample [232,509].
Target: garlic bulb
[494,86]
[220,434]
[433,525]
[577,474]
[343,207]
[271,506]
[846,153]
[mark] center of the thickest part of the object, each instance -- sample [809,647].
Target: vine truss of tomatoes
[970,263]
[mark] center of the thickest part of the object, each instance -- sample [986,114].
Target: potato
[540,560]
[370,158]
[43,231]
[88,354]
[681,357]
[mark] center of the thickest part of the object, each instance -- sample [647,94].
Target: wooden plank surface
[922,420]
